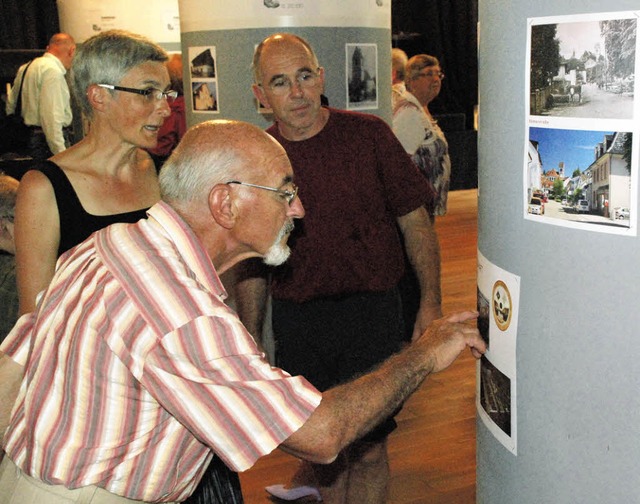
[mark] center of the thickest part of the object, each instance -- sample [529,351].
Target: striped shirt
[135,367]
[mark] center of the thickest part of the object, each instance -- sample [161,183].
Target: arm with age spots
[350,410]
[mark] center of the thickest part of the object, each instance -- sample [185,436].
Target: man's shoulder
[352,116]
[48,63]
[45,59]
[363,125]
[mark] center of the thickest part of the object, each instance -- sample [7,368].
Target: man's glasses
[289,196]
[432,74]
[282,85]
[149,93]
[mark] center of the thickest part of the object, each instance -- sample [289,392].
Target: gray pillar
[578,378]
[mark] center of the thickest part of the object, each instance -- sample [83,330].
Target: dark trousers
[37,147]
[334,339]
[219,485]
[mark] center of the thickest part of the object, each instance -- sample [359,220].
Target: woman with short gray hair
[122,85]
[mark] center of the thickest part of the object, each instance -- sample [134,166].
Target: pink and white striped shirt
[135,367]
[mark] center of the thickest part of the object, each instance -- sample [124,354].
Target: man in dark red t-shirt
[336,310]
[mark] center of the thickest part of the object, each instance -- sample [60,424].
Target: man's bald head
[63,47]
[279,41]
[210,153]
[61,39]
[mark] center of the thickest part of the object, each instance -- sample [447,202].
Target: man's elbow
[320,446]
[322,453]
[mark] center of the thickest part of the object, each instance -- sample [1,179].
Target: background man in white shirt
[46,104]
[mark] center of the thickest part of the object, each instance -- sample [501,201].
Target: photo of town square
[583,69]
[579,176]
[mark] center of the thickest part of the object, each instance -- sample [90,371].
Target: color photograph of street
[579,176]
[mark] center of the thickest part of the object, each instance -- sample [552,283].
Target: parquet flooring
[433,451]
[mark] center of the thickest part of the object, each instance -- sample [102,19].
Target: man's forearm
[349,411]
[423,250]
[362,404]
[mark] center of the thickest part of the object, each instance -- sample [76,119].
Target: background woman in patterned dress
[418,131]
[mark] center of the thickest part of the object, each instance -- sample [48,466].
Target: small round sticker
[501,304]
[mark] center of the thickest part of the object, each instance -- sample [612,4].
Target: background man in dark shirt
[336,307]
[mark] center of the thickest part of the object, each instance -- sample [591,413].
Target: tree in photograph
[620,45]
[545,55]
[577,195]
[626,150]
[558,188]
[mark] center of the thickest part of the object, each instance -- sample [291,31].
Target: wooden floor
[433,451]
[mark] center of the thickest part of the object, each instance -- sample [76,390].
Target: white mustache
[288,227]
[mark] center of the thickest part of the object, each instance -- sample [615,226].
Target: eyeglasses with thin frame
[149,93]
[431,74]
[289,196]
[282,85]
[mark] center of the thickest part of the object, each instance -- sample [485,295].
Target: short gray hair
[105,59]
[197,164]
[398,61]
[418,63]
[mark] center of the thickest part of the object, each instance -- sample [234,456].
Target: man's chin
[276,255]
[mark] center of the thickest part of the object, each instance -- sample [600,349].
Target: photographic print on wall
[496,385]
[362,76]
[581,153]
[204,82]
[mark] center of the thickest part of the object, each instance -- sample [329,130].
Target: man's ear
[222,206]
[321,76]
[259,93]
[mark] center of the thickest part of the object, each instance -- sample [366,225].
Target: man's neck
[297,135]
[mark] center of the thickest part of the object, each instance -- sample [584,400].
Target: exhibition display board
[558,400]
[352,41]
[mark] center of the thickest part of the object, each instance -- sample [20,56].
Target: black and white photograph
[362,76]
[495,395]
[583,69]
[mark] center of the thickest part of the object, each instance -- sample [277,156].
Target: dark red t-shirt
[355,179]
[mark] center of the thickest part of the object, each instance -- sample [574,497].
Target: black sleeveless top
[76,225]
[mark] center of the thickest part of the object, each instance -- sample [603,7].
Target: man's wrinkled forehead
[285,56]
